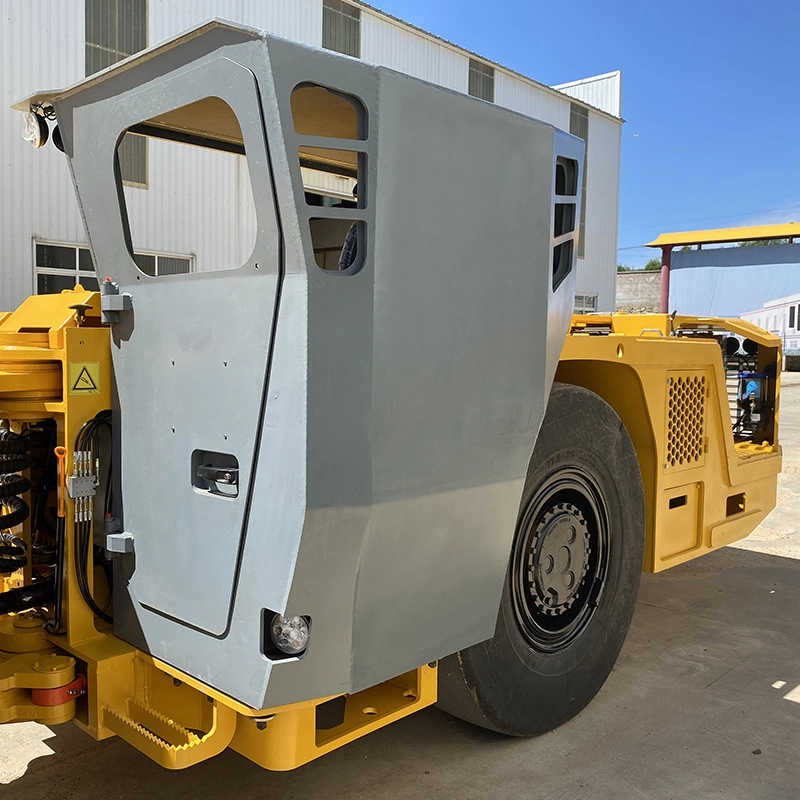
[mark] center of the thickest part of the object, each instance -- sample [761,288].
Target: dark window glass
[791,316]
[579,126]
[116,29]
[132,154]
[564,218]
[481,80]
[341,28]
[50,255]
[173,266]
[85,260]
[562,262]
[566,176]
[89,283]
[146,264]
[53,284]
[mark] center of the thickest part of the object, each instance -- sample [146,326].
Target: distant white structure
[781,317]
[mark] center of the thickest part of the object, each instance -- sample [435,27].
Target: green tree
[623,268]
[759,242]
[653,264]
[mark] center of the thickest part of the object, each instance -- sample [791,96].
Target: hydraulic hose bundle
[87,447]
[13,459]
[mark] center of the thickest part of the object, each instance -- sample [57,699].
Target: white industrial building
[781,317]
[48,45]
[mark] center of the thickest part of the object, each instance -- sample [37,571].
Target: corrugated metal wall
[36,195]
[531,101]
[602,91]
[391,45]
[36,192]
[727,281]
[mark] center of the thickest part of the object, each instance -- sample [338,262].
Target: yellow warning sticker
[84,377]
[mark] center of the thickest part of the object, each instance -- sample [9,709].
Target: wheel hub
[558,559]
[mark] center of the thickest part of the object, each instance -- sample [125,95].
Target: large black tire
[558,637]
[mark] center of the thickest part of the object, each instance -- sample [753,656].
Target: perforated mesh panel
[686,420]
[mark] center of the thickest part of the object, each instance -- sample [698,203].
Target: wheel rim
[560,559]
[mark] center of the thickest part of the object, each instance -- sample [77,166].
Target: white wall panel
[530,100]
[300,20]
[602,91]
[41,47]
[387,43]
[597,272]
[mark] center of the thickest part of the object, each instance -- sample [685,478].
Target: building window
[156,264]
[341,28]
[61,266]
[791,316]
[585,304]
[481,80]
[116,29]
[579,126]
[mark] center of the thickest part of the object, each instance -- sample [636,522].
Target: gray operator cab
[381,417]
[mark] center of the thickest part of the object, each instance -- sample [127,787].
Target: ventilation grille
[686,420]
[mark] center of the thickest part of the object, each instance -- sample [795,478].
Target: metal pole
[666,254]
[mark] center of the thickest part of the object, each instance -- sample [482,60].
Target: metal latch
[112,303]
[225,475]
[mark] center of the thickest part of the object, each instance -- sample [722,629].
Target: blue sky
[711,87]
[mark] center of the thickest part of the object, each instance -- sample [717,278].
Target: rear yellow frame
[716,495]
[633,366]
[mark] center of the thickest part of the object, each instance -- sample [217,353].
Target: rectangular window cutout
[341,28]
[331,177]
[562,262]
[564,219]
[566,177]
[735,504]
[677,502]
[481,80]
[200,190]
[791,316]
[338,244]
[319,111]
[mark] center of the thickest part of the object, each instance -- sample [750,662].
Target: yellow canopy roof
[786,230]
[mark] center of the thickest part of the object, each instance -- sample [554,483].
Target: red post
[666,253]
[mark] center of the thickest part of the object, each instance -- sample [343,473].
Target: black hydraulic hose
[13,459]
[26,597]
[53,625]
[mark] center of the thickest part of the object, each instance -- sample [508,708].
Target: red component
[666,259]
[59,695]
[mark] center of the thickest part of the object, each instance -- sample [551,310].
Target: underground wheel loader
[360,459]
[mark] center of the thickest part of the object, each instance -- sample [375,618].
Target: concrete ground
[704,703]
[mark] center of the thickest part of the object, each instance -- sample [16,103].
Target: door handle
[227,475]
